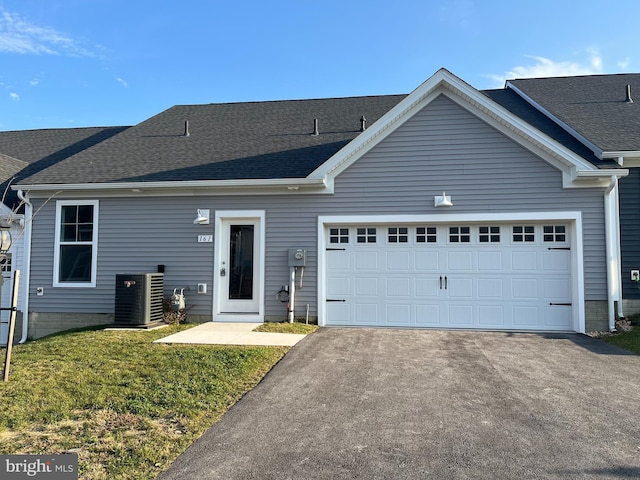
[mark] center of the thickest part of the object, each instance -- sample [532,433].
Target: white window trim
[93,243]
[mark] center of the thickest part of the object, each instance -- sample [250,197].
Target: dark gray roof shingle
[254,140]
[521,108]
[594,106]
[23,153]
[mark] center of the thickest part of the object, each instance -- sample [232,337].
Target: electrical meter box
[297,257]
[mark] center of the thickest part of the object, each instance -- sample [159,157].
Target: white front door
[239,268]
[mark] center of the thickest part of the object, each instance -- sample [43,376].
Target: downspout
[612,239]
[28,217]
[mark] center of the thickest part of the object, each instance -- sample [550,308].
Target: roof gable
[573,166]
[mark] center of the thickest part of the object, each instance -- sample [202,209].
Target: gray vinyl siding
[442,148]
[630,231]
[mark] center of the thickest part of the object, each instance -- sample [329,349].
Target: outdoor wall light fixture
[442,201]
[202,217]
[5,235]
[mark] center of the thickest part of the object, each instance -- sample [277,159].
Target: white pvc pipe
[292,294]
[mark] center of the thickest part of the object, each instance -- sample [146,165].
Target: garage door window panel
[554,234]
[338,235]
[489,234]
[523,234]
[398,234]
[459,234]
[426,235]
[366,235]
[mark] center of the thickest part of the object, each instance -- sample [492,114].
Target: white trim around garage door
[572,217]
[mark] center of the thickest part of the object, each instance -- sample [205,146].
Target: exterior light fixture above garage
[442,201]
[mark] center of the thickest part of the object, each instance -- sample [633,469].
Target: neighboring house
[448,208]
[23,153]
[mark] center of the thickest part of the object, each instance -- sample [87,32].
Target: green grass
[295,327]
[127,406]
[627,340]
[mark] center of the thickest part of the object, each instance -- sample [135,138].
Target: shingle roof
[26,152]
[254,140]
[518,106]
[594,106]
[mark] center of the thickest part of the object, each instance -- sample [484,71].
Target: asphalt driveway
[394,404]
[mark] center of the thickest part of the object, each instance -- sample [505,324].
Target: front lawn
[285,327]
[627,340]
[127,406]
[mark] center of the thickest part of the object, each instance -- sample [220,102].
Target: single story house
[448,207]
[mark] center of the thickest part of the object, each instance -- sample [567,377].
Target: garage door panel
[399,314]
[367,313]
[460,315]
[557,315]
[397,287]
[428,314]
[524,261]
[339,286]
[460,287]
[556,260]
[460,261]
[505,284]
[557,289]
[526,316]
[524,288]
[367,260]
[427,287]
[366,286]
[339,313]
[490,288]
[397,261]
[428,261]
[490,261]
[491,316]
[339,261]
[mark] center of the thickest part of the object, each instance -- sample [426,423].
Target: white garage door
[514,276]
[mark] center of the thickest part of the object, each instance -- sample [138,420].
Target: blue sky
[75,63]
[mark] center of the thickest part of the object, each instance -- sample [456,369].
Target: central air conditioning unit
[139,298]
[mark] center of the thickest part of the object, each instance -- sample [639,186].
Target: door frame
[221,218]
[572,217]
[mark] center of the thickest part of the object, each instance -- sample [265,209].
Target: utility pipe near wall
[292,294]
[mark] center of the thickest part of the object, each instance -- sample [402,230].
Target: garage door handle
[334,300]
[445,282]
[440,282]
[561,304]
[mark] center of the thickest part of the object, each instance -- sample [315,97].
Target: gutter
[612,240]
[28,217]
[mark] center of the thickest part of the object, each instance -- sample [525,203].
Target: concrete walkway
[223,333]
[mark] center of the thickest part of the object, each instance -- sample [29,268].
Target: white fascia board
[277,186]
[445,82]
[625,155]
[597,151]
